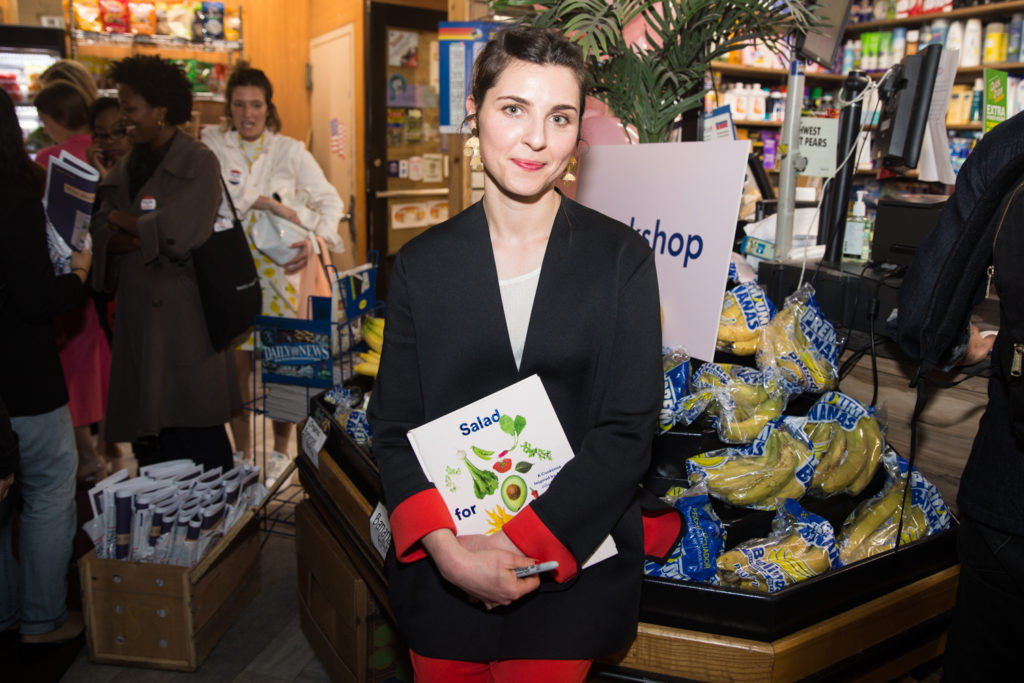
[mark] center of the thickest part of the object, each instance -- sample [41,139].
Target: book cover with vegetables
[491,458]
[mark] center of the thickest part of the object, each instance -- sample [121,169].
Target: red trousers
[430,670]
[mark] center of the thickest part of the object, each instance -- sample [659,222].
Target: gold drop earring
[471,149]
[570,171]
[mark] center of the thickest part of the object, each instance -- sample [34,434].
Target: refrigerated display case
[25,52]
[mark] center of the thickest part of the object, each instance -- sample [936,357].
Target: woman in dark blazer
[170,391]
[523,282]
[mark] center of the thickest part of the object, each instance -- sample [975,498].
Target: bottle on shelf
[971,53]
[913,36]
[977,97]
[1013,52]
[955,36]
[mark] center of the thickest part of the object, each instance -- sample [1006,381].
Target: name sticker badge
[148,203]
[235,176]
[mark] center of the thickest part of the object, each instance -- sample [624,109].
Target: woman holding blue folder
[524,282]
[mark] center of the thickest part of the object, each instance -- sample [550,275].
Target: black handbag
[228,284]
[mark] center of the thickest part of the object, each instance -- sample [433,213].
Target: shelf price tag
[380,530]
[313,439]
[818,143]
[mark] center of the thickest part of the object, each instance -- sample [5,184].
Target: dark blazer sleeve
[592,491]
[415,506]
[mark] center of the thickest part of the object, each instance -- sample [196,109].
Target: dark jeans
[987,630]
[206,446]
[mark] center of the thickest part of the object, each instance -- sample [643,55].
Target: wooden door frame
[381,15]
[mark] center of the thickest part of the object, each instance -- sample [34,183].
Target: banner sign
[460,42]
[683,198]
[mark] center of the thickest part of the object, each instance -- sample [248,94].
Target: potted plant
[649,58]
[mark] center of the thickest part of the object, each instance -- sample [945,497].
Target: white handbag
[274,236]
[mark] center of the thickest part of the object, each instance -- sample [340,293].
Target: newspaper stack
[172,513]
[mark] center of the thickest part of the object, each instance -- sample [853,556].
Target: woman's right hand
[482,572]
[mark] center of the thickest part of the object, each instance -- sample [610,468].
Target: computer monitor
[821,43]
[906,97]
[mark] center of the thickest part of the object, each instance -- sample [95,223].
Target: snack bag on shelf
[847,441]
[778,465]
[736,399]
[799,346]
[702,542]
[115,16]
[232,23]
[871,528]
[87,16]
[143,18]
[178,20]
[676,363]
[212,20]
[801,545]
[746,311]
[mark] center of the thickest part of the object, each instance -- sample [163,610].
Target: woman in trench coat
[170,391]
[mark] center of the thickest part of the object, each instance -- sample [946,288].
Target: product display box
[768,616]
[165,616]
[354,638]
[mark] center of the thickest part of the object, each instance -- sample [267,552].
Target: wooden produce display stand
[876,640]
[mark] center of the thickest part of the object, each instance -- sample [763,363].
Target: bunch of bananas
[373,335]
[785,346]
[733,334]
[872,527]
[752,408]
[849,458]
[797,560]
[755,481]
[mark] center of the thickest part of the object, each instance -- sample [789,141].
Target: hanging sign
[683,199]
[818,144]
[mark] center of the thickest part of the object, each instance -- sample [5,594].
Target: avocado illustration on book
[513,492]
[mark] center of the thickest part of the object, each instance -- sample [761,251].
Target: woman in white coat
[266,171]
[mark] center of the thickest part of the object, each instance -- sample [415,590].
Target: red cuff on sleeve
[662,529]
[534,539]
[414,518]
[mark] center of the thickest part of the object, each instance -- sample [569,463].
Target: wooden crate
[353,637]
[164,616]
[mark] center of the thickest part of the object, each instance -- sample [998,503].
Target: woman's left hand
[299,262]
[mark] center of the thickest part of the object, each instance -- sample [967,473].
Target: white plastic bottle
[857,238]
[758,103]
[971,53]
[955,36]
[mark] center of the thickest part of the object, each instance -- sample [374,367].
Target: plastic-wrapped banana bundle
[848,443]
[871,528]
[676,364]
[735,399]
[746,310]
[798,348]
[694,557]
[778,465]
[801,545]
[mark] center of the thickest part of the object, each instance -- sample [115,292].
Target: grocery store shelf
[751,123]
[83,38]
[980,11]
[752,72]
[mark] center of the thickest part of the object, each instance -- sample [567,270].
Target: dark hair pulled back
[243,74]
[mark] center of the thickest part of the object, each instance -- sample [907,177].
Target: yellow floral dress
[280,298]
